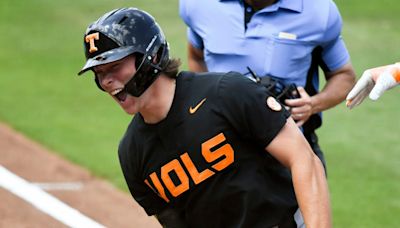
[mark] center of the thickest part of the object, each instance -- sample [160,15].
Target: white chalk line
[44,201]
[64,186]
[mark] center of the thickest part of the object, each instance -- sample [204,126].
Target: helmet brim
[107,57]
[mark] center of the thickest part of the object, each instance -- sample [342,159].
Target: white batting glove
[374,82]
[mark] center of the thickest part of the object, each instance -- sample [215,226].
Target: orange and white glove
[374,82]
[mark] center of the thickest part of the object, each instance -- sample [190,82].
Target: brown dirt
[97,199]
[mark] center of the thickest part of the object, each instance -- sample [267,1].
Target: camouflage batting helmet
[123,32]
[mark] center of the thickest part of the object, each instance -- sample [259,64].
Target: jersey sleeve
[183,12]
[250,109]
[192,37]
[149,200]
[334,53]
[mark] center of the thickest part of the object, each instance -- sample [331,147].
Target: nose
[105,81]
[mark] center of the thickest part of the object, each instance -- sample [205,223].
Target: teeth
[116,91]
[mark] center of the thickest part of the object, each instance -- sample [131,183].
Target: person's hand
[300,108]
[374,82]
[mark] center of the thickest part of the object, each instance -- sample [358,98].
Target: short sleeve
[192,37]
[149,200]
[250,109]
[334,52]
[183,12]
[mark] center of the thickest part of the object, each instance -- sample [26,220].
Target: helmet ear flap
[163,56]
[98,83]
[138,59]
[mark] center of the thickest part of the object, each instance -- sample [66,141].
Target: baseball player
[374,82]
[203,150]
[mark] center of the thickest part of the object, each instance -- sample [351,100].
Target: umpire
[203,150]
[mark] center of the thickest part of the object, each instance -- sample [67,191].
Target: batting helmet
[122,32]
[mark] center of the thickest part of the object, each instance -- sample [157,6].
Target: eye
[112,69]
[116,67]
[97,72]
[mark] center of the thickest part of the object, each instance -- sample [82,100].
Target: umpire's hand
[300,108]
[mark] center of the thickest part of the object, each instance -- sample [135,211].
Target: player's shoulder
[125,148]
[127,139]
[235,83]
[199,81]
[210,84]
[130,138]
[229,80]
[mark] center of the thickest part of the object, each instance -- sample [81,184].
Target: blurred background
[41,51]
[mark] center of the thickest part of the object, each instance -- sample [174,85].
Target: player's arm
[308,176]
[374,82]
[196,61]
[171,218]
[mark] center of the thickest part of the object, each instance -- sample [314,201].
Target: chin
[128,105]
[130,112]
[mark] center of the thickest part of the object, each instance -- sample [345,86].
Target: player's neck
[158,99]
[260,4]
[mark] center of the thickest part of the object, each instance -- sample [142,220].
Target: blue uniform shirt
[279,39]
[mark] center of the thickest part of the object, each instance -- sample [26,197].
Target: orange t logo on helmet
[90,39]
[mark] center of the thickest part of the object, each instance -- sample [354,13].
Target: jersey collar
[294,5]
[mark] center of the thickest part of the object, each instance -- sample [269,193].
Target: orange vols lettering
[90,39]
[175,166]
[194,173]
[226,151]
[221,157]
[157,184]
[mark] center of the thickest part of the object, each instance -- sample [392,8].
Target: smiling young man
[203,150]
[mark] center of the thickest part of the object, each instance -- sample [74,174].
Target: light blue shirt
[279,39]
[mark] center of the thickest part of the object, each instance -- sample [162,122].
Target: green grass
[362,145]
[41,96]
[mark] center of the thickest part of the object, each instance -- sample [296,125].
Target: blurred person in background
[287,40]
[373,83]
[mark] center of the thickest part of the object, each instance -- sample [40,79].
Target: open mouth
[120,94]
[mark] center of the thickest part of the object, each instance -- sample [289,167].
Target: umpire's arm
[292,150]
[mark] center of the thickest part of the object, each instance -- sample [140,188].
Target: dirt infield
[95,198]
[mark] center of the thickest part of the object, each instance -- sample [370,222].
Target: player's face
[113,78]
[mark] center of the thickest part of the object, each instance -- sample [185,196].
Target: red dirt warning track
[96,199]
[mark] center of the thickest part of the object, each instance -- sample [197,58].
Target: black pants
[312,139]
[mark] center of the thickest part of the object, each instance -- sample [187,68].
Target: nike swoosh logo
[193,110]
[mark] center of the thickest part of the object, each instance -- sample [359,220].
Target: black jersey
[207,158]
